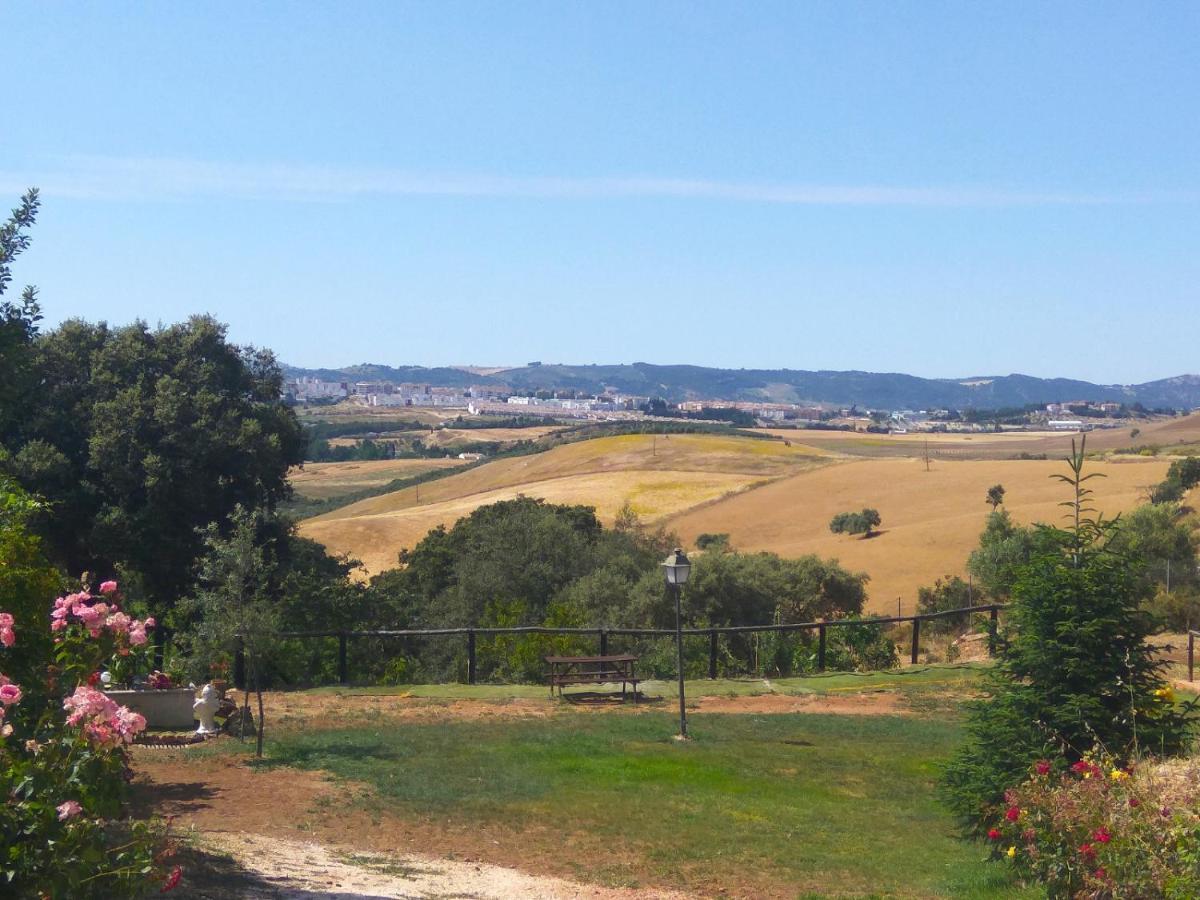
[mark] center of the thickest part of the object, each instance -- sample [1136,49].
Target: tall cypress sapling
[1075,668]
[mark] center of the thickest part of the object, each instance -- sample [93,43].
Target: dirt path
[300,870]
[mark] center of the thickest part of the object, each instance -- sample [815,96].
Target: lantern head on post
[678,568]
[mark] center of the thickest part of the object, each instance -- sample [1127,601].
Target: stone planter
[169,710]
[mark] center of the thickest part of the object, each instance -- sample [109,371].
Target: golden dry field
[323,480]
[777,496]
[658,475]
[931,519]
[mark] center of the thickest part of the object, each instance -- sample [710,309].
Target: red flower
[172,880]
[1087,850]
[1042,767]
[93,679]
[1100,873]
[1013,813]
[994,834]
[1102,835]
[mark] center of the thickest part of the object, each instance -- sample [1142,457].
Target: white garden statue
[206,708]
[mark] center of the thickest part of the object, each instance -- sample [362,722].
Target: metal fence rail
[602,636]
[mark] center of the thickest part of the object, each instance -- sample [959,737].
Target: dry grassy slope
[332,479]
[931,520]
[658,475]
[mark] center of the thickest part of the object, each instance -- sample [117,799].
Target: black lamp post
[677,569]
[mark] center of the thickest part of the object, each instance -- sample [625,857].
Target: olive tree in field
[863,522]
[995,496]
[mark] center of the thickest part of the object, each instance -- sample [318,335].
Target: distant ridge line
[881,390]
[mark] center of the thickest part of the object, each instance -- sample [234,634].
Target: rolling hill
[657,475]
[776,495]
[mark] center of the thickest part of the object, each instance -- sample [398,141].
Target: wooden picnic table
[566,670]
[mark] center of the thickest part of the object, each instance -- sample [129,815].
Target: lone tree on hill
[855,522]
[995,496]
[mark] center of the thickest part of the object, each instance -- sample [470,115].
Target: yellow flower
[1119,775]
[1012,851]
[1166,694]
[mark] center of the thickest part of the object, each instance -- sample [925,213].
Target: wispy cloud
[112,178]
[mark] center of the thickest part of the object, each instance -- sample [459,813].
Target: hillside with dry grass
[931,519]
[779,494]
[657,474]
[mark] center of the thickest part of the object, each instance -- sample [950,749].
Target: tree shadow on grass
[148,799]
[610,698]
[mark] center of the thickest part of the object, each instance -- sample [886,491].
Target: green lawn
[785,805]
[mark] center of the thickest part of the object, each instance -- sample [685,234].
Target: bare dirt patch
[300,870]
[340,710]
[286,829]
[873,704]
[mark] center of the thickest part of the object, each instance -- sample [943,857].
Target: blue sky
[943,189]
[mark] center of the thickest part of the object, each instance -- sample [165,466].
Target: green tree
[995,496]
[142,436]
[863,522]
[18,321]
[946,593]
[235,601]
[1003,548]
[1163,539]
[1075,668]
[708,541]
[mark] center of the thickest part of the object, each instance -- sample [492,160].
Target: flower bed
[1096,830]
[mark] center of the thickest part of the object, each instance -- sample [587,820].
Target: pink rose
[149,623]
[108,587]
[8,637]
[137,635]
[119,622]
[10,694]
[6,620]
[68,809]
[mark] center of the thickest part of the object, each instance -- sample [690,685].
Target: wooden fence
[602,636]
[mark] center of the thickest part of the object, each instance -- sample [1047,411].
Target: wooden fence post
[603,642]
[993,622]
[343,674]
[1191,655]
[821,647]
[916,647]
[712,654]
[471,656]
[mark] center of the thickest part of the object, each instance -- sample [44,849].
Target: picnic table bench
[566,670]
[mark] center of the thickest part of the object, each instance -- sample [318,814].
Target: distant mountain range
[881,390]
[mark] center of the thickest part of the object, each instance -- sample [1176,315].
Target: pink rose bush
[74,845]
[104,723]
[1095,829]
[97,615]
